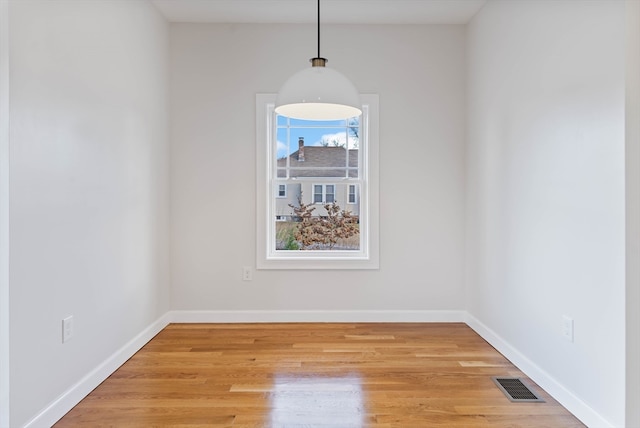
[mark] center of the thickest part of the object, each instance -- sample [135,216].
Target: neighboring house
[320,174]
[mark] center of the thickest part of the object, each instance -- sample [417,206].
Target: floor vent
[516,391]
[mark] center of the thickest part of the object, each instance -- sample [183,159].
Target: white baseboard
[59,407]
[315,316]
[579,408]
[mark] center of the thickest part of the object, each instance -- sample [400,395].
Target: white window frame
[367,257]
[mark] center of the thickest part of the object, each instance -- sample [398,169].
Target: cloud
[338,139]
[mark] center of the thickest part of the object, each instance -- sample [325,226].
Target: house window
[329,194]
[351,198]
[324,194]
[282,191]
[313,178]
[318,194]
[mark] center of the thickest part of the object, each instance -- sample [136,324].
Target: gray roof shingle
[331,159]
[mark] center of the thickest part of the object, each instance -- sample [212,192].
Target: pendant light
[318,93]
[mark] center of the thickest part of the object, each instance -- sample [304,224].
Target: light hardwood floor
[314,375]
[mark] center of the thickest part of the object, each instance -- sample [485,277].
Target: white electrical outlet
[67,328]
[567,328]
[247,273]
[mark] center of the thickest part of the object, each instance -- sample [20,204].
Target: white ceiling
[332,11]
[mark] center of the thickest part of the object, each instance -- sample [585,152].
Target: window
[329,194]
[320,176]
[324,194]
[282,191]
[351,198]
[318,194]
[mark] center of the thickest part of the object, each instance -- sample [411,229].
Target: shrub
[323,232]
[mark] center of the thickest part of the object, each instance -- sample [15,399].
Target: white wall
[419,74]
[633,212]
[4,213]
[88,188]
[546,189]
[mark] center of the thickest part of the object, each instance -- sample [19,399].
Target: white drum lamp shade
[318,93]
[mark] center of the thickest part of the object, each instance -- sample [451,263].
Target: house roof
[331,160]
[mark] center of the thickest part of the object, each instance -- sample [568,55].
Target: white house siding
[293,192]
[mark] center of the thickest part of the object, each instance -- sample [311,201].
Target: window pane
[282,121]
[352,193]
[317,193]
[330,194]
[353,164]
[307,149]
[282,145]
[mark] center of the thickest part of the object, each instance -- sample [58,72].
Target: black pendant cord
[318,61]
[318,29]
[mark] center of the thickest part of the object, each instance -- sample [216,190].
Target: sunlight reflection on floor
[313,401]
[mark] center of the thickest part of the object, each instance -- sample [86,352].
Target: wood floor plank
[314,375]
